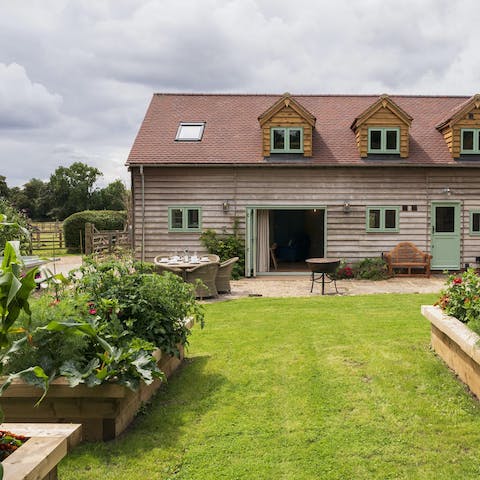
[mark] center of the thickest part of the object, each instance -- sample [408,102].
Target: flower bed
[38,457]
[104,410]
[456,344]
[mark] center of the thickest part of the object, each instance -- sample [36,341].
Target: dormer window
[383,140]
[286,140]
[470,140]
[190,132]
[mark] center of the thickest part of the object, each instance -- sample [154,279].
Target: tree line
[69,190]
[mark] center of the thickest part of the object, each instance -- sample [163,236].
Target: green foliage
[226,246]
[370,269]
[461,298]
[74,225]
[71,189]
[14,225]
[112,197]
[153,306]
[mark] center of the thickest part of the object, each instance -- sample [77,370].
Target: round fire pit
[324,267]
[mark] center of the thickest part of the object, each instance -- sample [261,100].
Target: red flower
[457,281]
[92,311]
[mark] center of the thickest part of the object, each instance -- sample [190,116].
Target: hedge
[102,219]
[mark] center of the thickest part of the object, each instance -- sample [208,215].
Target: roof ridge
[316,95]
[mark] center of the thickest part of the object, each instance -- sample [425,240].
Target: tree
[71,189]
[33,199]
[112,197]
[3,187]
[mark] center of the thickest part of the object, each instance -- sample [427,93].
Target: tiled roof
[233,134]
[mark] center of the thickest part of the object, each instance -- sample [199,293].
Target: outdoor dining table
[325,267]
[182,264]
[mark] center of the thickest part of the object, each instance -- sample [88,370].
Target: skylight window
[190,132]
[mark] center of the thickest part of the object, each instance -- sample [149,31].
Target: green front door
[446,235]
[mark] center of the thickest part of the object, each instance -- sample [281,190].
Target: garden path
[299,285]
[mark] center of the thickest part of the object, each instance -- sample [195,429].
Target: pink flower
[92,311]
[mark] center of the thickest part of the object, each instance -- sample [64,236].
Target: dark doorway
[295,236]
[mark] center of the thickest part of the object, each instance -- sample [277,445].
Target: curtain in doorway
[263,241]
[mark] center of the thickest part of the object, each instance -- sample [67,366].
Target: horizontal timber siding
[346,237]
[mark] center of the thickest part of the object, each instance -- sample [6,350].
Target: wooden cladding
[383,114]
[452,131]
[287,113]
[287,117]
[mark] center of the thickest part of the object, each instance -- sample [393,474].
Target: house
[345,176]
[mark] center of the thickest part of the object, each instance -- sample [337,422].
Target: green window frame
[470,140]
[383,140]
[474,222]
[286,140]
[184,218]
[382,219]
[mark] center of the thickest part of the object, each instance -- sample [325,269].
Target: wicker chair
[212,257]
[206,273]
[162,267]
[224,274]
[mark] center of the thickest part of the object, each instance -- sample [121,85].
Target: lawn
[305,388]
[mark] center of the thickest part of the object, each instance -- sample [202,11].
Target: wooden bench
[407,257]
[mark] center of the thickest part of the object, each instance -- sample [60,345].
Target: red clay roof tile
[233,135]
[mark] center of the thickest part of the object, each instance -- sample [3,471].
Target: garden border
[456,344]
[38,457]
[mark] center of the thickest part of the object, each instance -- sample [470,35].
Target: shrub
[153,306]
[343,271]
[370,269]
[461,298]
[226,246]
[14,226]
[102,219]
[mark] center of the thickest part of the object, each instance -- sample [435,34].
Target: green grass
[313,388]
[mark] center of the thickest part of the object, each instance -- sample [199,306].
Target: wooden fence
[99,242]
[47,236]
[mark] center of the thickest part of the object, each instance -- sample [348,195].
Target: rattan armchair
[213,258]
[206,274]
[224,275]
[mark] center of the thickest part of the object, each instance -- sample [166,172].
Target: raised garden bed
[104,411]
[456,344]
[38,457]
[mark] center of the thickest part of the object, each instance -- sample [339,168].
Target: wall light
[447,191]
[346,206]
[226,206]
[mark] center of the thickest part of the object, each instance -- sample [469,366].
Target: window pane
[375,139]
[193,218]
[390,218]
[190,131]
[445,219]
[279,139]
[467,140]
[295,140]
[177,218]
[374,218]
[476,222]
[391,139]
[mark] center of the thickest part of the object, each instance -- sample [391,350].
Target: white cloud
[80,73]
[23,103]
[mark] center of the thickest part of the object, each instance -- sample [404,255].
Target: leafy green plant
[370,269]
[152,306]
[14,225]
[461,298]
[226,246]
[343,271]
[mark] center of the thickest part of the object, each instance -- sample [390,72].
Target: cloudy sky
[76,76]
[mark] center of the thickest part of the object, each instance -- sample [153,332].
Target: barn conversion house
[309,176]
